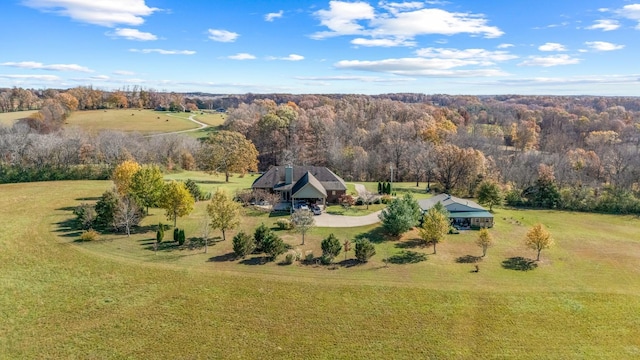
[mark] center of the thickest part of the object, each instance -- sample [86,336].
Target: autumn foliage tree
[435,226]
[176,200]
[228,151]
[484,240]
[123,176]
[224,213]
[538,239]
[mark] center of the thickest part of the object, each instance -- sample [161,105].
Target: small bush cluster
[179,236]
[284,224]
[89,235]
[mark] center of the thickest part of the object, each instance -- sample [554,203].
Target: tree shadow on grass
[199,242]
[468,259]
[376,235]
[88,198]
[407,257]
[410,244]
[68,228]
[223,258]
[519,263]
[348,263]
[258,260]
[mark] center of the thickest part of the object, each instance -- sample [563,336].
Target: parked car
[316,209]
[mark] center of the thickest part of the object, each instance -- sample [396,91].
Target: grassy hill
[143,121]
[115,298]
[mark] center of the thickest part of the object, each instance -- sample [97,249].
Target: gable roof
[451,203]
[305,181]
[274,178]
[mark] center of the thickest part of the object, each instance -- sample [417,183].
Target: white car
[316,210]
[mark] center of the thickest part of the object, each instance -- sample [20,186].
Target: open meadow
[9,118]
[116,298]
[130,120]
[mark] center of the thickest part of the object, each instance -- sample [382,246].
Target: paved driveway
[341,221]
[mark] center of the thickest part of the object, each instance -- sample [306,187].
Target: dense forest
[574,152]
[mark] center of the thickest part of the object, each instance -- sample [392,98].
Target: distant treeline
[584,149]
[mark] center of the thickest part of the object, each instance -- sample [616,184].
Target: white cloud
[124,72]
[99,77]
[133,34]
[435,67]
[552,47]
[505,46]
[242,56]
[603,46]
[342,18]
[222,35]
[605,25]
[291,57]
[355,78]
[163,52]
[98,12]
[631,12]
[272,16]
[383,42]
[397,24]
[53,67]
[394,7]
[32,77]
[480,57]
[576,80]
[548,61]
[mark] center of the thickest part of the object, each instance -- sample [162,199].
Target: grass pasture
[115,298]
[9,118]
[130,120]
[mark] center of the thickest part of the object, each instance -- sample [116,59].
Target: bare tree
[128,214]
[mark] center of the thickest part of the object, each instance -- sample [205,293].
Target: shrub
[308,257]
[291,256]
[284,224]
[326,260]
[176,234]
[261,232]
[385,199]
[273,245]
[359,201]
[243,244]
[86,215]
[364,250]
[89,235]
[181,237]
[160,233]
[331,247]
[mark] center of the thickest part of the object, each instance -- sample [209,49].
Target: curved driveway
[341,221]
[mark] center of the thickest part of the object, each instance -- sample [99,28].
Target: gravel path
[191,118]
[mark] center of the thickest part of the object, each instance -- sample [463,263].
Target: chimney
[288,175]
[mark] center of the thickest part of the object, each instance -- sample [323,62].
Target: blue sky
[561,47]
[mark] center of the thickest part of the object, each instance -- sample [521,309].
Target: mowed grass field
[130,120]
[115,298]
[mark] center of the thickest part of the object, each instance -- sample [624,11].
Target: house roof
[274,178]
[308,180]
[453,204]
[471,214]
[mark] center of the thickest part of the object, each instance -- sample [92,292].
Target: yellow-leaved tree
[538,238]
[123,174]
[176,200]
[224,213]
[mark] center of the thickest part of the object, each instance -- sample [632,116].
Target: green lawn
[115,298]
